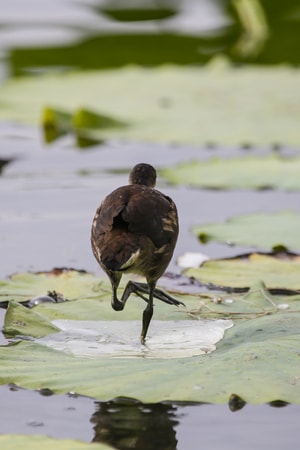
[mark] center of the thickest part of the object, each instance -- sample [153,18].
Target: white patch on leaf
[167,339]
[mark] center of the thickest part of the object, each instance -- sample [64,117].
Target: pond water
[48,195]
[128,424]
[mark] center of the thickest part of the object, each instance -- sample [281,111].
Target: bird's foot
[142,288]
[117,305]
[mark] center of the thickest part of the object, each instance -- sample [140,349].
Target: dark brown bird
[135,230]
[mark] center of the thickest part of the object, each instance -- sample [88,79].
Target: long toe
[163,296]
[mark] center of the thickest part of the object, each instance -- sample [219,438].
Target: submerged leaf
[267,231]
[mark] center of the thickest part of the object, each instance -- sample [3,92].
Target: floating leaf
[188,105]
[87,297]
[55,123]
[275,272]
[257,302]
[22,321]
[261,355]
[72,283]
[36,442]
[266,231]
[272,172]
[85,119]
[133,14]
[257,360]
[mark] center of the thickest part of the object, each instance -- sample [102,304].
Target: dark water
[129,424]
[48,196]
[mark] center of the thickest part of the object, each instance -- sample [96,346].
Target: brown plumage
[135,230]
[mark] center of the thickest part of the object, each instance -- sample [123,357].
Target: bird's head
[143,174]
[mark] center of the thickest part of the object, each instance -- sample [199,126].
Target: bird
[135,230]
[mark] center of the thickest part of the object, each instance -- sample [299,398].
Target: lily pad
[217,103]
[261,355]
[241,273]
[20,320]
[261,358]
[87,296]
[13,441]
[271,172]
[256,301]
[266,231]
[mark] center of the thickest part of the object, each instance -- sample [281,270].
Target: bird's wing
[140,210]
[152,214]
[107,212]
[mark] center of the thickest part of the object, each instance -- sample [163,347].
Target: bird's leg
[131,287]
[143,288]
[148,313]
[140,289]
[115,281]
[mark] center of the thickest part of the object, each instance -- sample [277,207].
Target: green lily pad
[261,354]
[13,441]
[20,320]
[72,284]
[273,172]
[267,231]
[261,357]
[169,104]
[242,272]
[87,296]
[256,302]
[55,123]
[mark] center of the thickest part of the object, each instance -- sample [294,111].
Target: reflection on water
[129,424]
[185,33]
[126,423]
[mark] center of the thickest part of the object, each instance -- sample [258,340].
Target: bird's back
[135,220]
